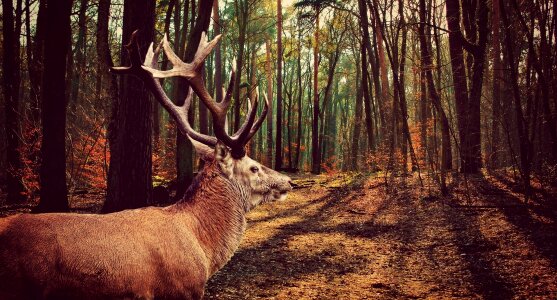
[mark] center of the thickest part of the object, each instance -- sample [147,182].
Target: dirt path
[345,239]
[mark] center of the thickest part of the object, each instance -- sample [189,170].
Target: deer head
[227,152]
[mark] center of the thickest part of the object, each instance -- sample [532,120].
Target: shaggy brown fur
[142,253]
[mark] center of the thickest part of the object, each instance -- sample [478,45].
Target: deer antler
[192,72]
[179,113]
[148,72]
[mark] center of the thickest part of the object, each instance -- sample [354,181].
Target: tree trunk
[36,63]
[522,132]
[278,141]
[315,153]
[253,94]
[493,161]
[11,84]
[270,95]
[478,53]
[365,51]
[79,63]
[367,101]
[108,97]
[468,104]
[242,18]
[385,103]
[54,194]
[460,84]
[446,151]
[218,57]
[130,171]
[543,79]
[357,117]
[299,100]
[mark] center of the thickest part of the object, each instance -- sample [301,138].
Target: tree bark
[459,78]
[315,151]
[468,103]
[278,141]
[218,56]
[54,193]
[521,130]
[365,51]
[242,20]
[367,101]
[79,63]
[253,94]
[299,99]
[269,79]
[493,161]
[543,79]
[446,151]
[36,63]
[130,171]
[355,147]
[385,104]
[11,84]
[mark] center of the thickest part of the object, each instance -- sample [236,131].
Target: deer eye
[254,169]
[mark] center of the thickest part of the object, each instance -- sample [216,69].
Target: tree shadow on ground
[535,220]
[415,216]
[418,231]
[271,264]
[477,253]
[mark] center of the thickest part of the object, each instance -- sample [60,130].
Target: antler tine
[180,114]
[242,133]
[261,118]
[229,90]
[179,68]
[135,60]
[185,126]
[204,48]
[191,71]
[149,73]
[152,55]
[151,59]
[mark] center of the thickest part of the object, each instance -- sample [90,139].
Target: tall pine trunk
[218,56]
[269,80]
[11,84]
[130,183]
[278,140]
[355,146]
[315,151]
[299,100]
[493,160]
[425,45]
[54,193]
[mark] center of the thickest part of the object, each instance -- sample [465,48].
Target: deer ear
[223,158]
[205,152]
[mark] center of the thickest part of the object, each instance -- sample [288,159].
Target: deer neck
[219,206]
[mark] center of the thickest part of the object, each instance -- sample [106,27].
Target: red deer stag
[150,252]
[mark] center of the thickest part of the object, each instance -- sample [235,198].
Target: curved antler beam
[149,73]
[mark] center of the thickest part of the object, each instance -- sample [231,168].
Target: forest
[419,137]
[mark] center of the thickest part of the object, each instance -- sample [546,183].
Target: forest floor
[347,236]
